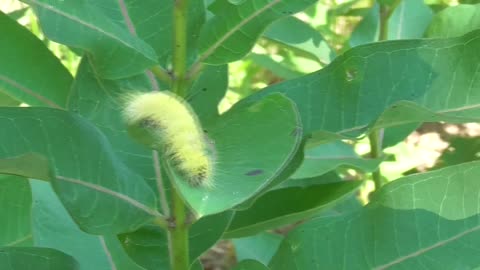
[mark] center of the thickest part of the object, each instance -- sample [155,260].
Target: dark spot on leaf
[204,89]
[254,172]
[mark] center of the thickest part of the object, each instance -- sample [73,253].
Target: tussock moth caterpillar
[167,123]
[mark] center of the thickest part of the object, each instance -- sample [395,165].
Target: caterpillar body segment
[165,122]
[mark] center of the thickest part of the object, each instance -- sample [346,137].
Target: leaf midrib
[236,28]
[426,249]
[84,23]
[112,193]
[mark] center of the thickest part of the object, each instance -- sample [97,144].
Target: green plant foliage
[88,25]
[15,214]
[148,245]
[298,35]
[232,32]
[268,132]
[285,206]
[47,84]
[14,258]
[250,265]
[418,86]
[326,157]
[49,217]
[286,106]
[75,174]
[260,247]
[455,21]
[420,220]
[461,150]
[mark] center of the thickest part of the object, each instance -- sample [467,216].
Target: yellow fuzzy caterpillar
[166,122]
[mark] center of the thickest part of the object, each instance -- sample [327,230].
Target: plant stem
[178,234]
[161,74]
[386,12]
[376,135]
[180,46]
[178,228]
[376,138]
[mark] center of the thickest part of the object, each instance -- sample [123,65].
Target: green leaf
[396,134]
[100,192]
[280,69]
[15,213]
[283,176]
[99,29]
[234,29]
[455,21]
[151,20]
[388,84]
[412,223]
[29,165]
[288,205]
[29,258]
[148,246]
[250,265]
[327,157]
[197,265]
[7,101]
[253,144]
[367,30]
[294,33]
[409,20]
[461,150]
[54,228]
[33,74]
[260,247]
[327,178]
[207,91]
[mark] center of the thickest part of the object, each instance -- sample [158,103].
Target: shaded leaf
[100,192]
[98,28]
[15,211]
[294,33]
[455,21]
[409,20]
[234,29]
[260,247]
[33,74]
[250,265]
[152,21]
[367,30]
[253,145]
[461,150]
[326,157]
[280,69]
[148,246]
[412,223]
[54,228]
[396,134]
[288,205]
[29,258]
